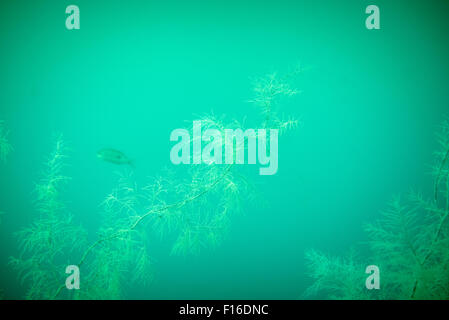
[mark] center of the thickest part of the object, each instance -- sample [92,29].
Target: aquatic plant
[268,93]
[47,245]
[335,277]
[409,243]
[191,209]
[5,146]
[180,208]
[120,257]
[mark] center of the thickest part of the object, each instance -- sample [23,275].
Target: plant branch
[178,204]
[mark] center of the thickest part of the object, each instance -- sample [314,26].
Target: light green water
[370,104]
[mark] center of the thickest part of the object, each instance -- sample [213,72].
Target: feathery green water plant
[108,257]
[124,257]
[268,93]
[176,206]
[47,245]
[335,277]
[409,243]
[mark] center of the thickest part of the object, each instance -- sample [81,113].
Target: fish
[114,156]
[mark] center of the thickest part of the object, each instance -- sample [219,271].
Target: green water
[370,104]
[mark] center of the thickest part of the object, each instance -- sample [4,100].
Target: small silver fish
[114,156]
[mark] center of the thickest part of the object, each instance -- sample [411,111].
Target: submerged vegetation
[47,244]
[5,146]
[409,244]
[268,92]
[192,211]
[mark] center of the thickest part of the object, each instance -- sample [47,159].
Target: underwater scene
[281,150]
